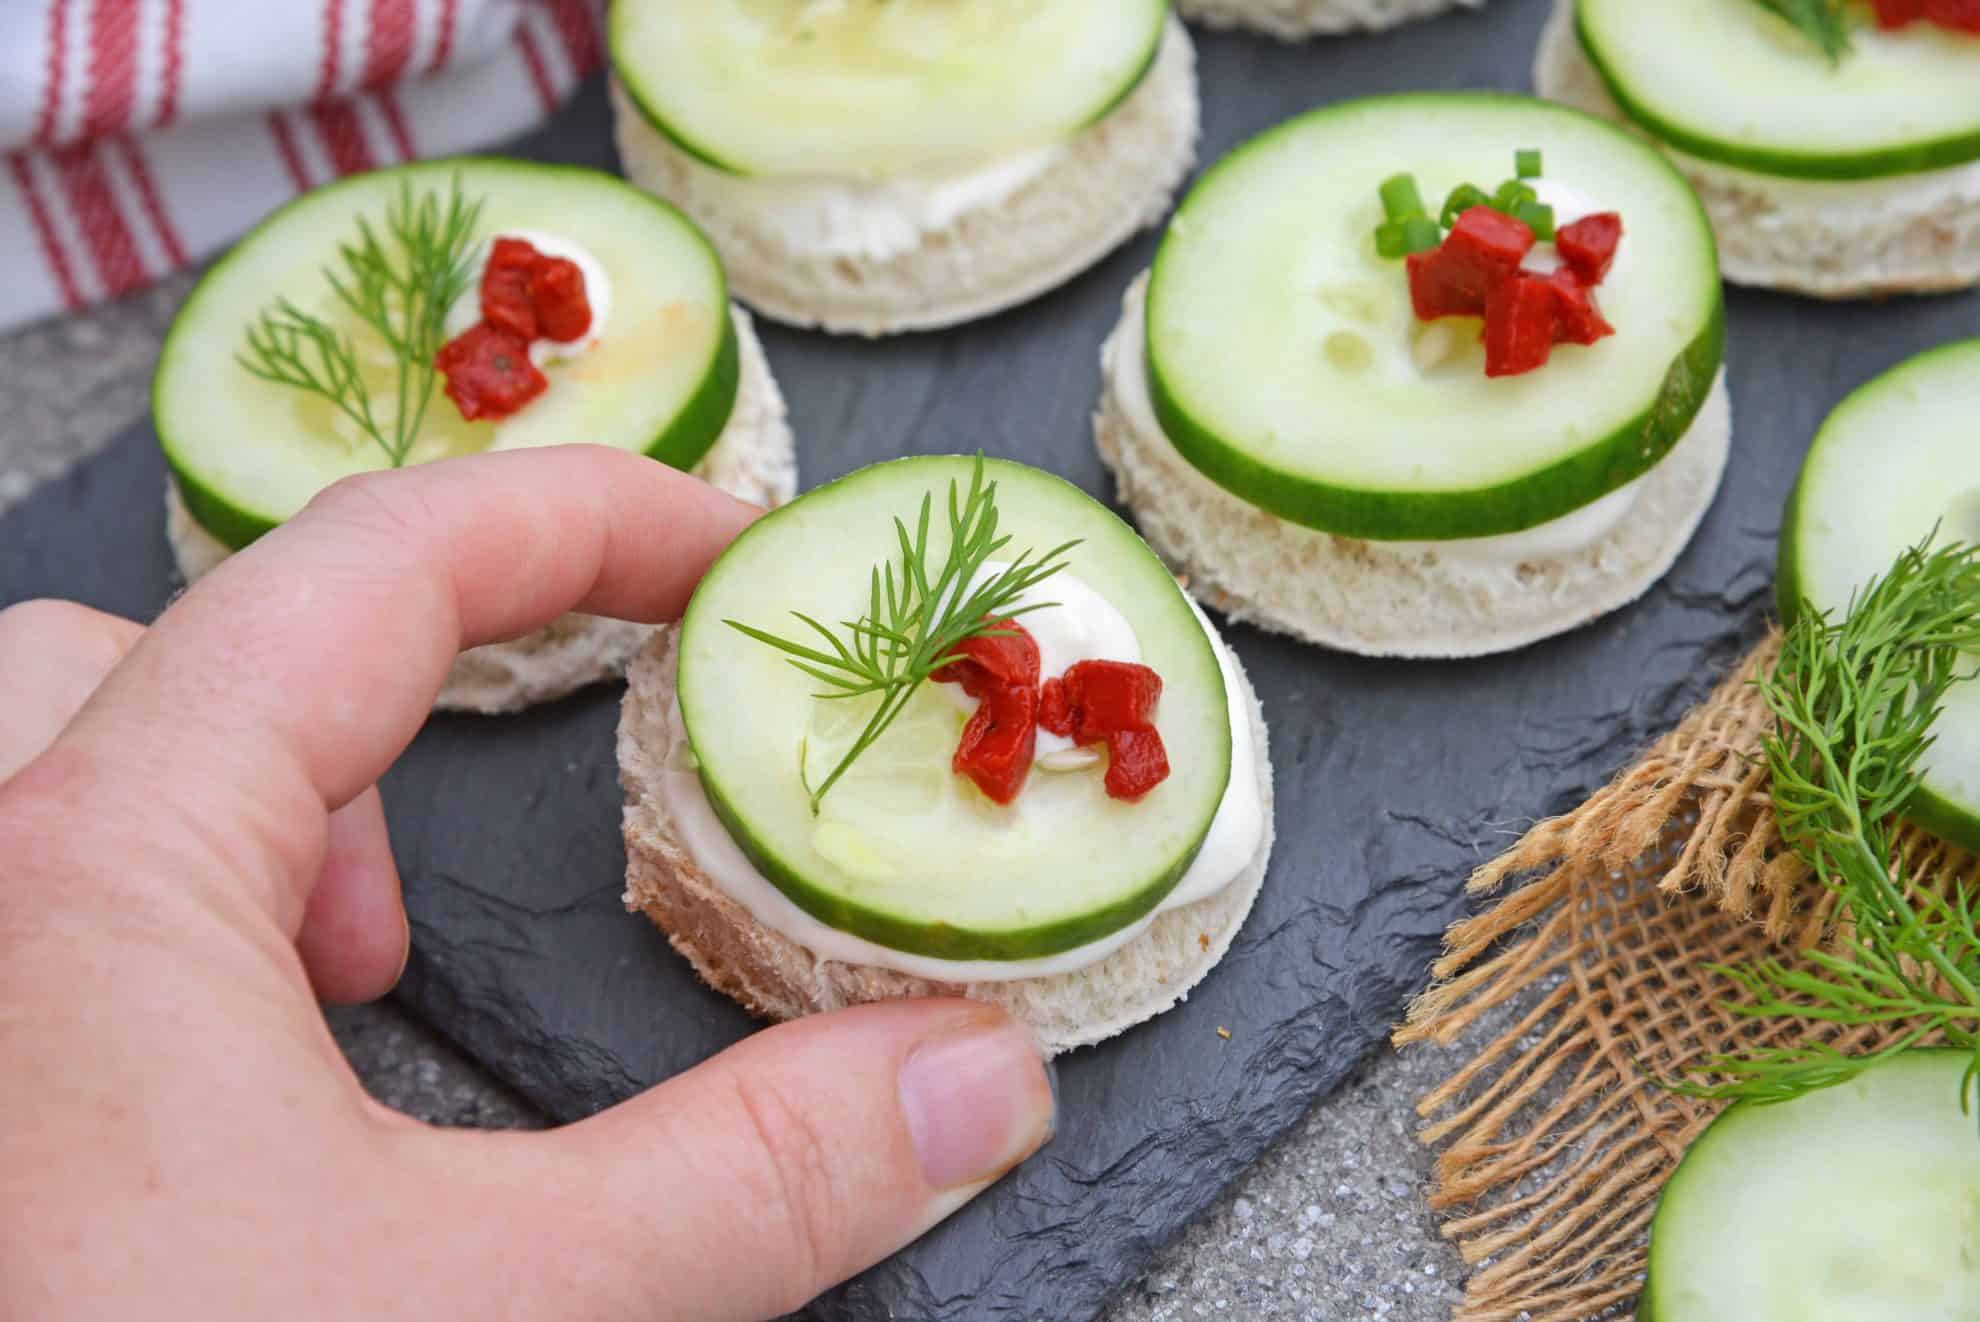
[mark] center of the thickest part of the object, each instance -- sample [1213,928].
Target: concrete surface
[1329,1225]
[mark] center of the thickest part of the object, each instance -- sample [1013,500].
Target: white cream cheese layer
[1089,632]
[875,219]
[1127,368]
[597,291]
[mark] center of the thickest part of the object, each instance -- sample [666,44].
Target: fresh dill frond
[1854,701]
[918,612]
[1823,22]
[399,287]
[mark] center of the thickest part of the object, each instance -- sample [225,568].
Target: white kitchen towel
[140,135]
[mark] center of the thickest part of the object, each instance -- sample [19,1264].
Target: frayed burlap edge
[1590,981]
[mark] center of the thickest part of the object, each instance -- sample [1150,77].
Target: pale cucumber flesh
[1894,460]
[248,454]
[1731,81]
[903,852]
[1857,1203]
[1285,359]
[850,88]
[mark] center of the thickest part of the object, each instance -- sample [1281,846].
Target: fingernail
[978,1100]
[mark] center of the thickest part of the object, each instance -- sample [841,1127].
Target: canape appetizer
[873,168]
[1847,1204]
[443,309]
[1428,375]
[1295,20]
[946,725]
[1895,464]
[1837,152]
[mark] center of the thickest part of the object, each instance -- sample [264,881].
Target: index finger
[310,659]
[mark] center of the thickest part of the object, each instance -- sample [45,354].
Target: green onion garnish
[1511,193]
[1526,163]
[1462,199]
[1538,217]
[1400,200]
[1421,234]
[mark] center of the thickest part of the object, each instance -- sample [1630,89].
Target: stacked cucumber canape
[1838,151]
[1424,375]
[444,309]
[878,168]
[1295,20]
[983,743]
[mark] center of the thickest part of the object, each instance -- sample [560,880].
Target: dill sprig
[918,613]
[1824,22]
[399,287]
[1854,700]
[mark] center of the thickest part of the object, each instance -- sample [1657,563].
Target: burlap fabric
[1555,1138]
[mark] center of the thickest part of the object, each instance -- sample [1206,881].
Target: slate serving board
[1394,780]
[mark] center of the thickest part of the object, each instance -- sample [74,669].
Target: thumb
[763,1177]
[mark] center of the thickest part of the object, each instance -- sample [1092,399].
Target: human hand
[192,850]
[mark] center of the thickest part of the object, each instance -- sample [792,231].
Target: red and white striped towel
[140,135]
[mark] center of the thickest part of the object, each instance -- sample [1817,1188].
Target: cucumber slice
[1283,352]
[1858,1203]
[903,852]
[662,379]
[1893,460]
[1730,81]
[854,88]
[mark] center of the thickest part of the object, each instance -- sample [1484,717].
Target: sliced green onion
[1538,217]
[1400,200]
[1526,162]
[1462,199]
[1511,193]
[1421,234]
[1390,241]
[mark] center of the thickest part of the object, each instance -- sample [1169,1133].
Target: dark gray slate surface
[1394,779]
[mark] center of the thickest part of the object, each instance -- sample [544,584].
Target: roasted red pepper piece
[998,742]
[1519,325]
[1136,762]
[489,374]
[506,302]
[1055,708]
[1104,697]
[994,660]
[1576,318]
[1482,251]
[1897,13]
[1431,292]
[1959,15]
[556,289]
[1589,245]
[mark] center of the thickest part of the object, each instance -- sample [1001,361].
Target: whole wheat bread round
[1911,234]
[1361,596]
[1111,181]
[774,977]
[1295,20]
[754,459]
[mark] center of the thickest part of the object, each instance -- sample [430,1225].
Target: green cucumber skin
[940,941]
[1525,502]
[707,156]
[1648,1309]
[1917,158]
[1928,808]
[681,443]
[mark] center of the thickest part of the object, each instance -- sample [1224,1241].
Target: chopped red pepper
[556,289]
[1519,325]
[1111,702]
[506,303]
[1897,13]
[489,374]
[1959,15]
[1136,762]
[1589,245]
[1576,318]
[998,742]
[1433,294]
[988,661]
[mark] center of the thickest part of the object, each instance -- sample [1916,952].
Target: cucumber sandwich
[448,308]
[1837,151]
[1424,375]
[1897,460]
[873,168]
[946,725]
[1295,20]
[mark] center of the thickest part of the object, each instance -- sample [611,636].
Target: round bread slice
[1371,598]
[1106,184]
[754,459]
[1295,20]
[776,978]
[1909,234]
